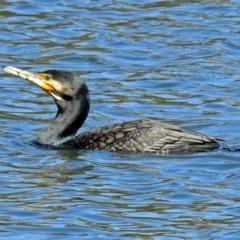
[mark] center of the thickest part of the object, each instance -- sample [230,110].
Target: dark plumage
[71,97]
[144,136]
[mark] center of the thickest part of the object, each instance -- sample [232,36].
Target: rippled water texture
[176,61]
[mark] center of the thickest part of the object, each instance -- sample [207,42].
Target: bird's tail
[231,148]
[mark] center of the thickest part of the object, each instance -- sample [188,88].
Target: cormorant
[71,96]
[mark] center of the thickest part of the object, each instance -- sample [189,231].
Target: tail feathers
[231,148]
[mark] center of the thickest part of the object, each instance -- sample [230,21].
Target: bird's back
[144,136]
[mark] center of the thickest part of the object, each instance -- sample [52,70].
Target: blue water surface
[176,61]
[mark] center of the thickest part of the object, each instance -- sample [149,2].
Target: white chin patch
[56,96]
[57,86]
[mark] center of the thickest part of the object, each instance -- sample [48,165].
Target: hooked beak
[35,78]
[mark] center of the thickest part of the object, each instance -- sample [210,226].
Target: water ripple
[175,61]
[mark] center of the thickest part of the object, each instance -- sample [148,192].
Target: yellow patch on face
[45,82]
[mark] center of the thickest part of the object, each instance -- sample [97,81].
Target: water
[176,61]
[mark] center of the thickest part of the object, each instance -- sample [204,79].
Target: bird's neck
[66,123]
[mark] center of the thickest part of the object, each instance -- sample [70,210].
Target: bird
[71,96]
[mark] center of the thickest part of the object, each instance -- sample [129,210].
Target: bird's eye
[48,77]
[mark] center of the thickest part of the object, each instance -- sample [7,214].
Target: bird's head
[61,85]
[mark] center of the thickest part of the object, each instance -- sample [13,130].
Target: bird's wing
[145,136]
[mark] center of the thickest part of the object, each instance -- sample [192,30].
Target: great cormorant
[71,96]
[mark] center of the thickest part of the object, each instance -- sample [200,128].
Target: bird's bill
[36,78]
